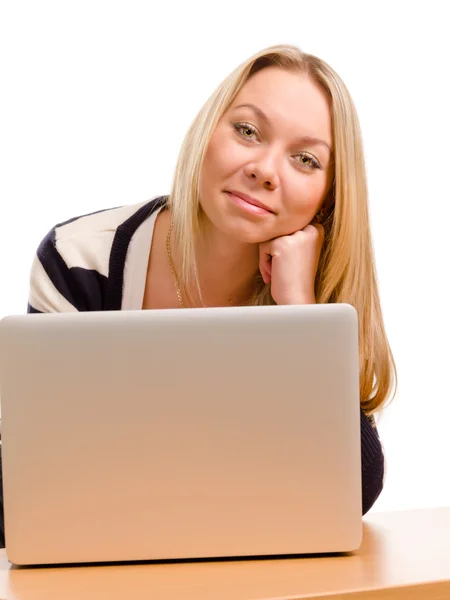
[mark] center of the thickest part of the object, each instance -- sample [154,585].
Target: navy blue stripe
[119,250]
[58,271]
[31,310]
[94,286]
[372,463]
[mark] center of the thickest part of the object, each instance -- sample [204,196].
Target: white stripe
[136,264]
[87,241]
[43,294]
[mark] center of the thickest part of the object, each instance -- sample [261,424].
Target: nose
[264,171]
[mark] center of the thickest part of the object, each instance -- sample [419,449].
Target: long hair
[346,272]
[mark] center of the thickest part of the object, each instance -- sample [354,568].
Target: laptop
[180,434]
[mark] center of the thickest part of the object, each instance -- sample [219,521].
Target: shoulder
[71,268]
[86,241]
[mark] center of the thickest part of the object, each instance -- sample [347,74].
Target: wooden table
[404,555]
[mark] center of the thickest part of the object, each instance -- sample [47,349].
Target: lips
[250,200]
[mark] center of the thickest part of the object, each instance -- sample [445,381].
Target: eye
[308,161]
[246,130]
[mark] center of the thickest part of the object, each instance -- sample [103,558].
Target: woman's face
[263,147]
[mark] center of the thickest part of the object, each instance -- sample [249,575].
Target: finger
[265,262]
[320,228]
[266,272]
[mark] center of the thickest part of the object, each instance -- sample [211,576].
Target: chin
[239,227]
[245,232]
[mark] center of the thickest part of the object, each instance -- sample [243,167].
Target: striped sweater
[99,262]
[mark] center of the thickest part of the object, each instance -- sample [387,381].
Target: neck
[226,268]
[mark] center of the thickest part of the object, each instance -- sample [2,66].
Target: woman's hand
[289,264]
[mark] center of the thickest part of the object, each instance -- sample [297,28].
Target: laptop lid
[140,435]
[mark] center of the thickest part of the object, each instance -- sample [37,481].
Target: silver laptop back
[141,435]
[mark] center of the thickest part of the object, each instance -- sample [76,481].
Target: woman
[268,205]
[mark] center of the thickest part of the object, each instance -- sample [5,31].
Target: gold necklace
[172,268]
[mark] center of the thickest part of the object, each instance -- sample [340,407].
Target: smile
[249,204]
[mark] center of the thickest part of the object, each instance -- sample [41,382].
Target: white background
[97,96]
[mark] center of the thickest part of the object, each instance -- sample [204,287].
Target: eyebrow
[303,138]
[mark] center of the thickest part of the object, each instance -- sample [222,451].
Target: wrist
[306,300]
[301,299]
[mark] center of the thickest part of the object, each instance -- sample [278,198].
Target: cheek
[213,173]
[211,164]
[207,175]
[223,158]
[305,196]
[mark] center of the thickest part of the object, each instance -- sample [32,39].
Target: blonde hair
[346,271]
